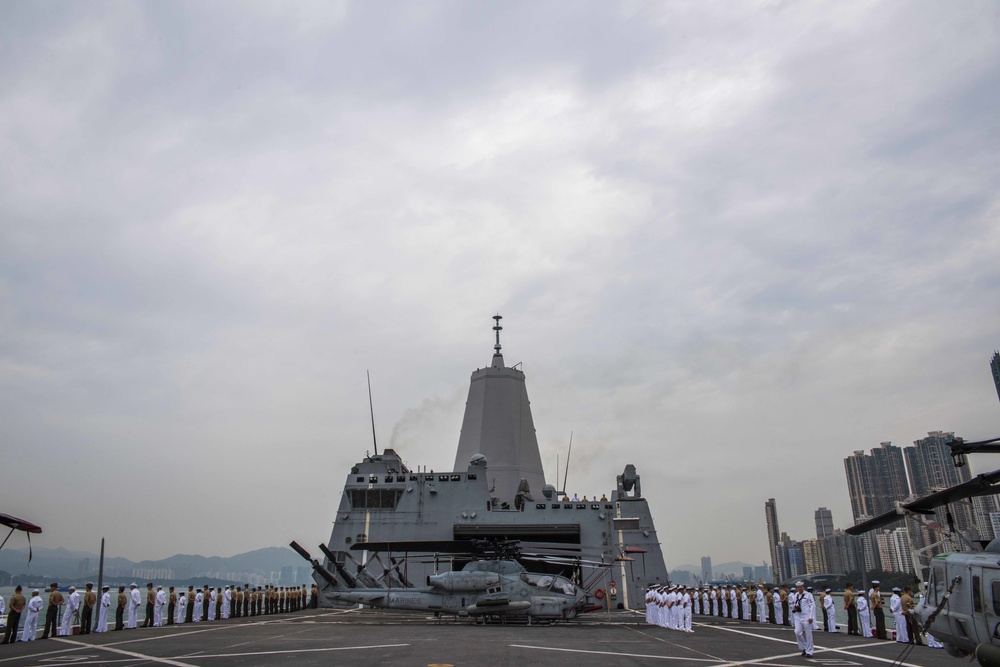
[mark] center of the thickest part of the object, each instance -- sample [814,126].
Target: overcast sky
[731,242]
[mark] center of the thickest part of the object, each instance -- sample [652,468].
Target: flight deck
[362,637]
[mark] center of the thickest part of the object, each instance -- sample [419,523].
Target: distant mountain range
[62,563]
[734,567]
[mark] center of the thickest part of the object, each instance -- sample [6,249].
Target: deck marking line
[167,636]
[295,650]
[38,655]
[614,653]
[816,649]
[133,654]
[688,648]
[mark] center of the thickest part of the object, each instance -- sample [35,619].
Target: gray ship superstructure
[497,490]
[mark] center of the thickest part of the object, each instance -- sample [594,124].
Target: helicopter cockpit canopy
[549,582]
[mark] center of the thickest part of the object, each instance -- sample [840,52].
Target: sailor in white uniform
[34,608]
[745,600]
[213,595]
[103,605]
[779,616]
[803,611]
[182,603]
[227,601]
[896,607]
[761,605]
[158,604]
[686,610]
[199,599]
[831,612]
[72,605]
[134,600]
[866,620]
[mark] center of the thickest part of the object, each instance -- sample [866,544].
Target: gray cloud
[731,245]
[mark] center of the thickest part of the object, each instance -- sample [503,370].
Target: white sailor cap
[896,589]
[131,585]
[72,588]
[799,583]
[826,590]
[159,588]
[875,582]
[36,591]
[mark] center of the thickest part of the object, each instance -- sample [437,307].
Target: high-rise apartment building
[930,468]
[995,367]
[810,556]
[983,507]
[706,568]
[796,560]
[779,556]
[824,523]
[876,480]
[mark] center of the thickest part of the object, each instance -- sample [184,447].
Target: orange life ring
[599,594]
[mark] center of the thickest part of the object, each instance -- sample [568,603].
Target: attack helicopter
[493,585]
[962,606]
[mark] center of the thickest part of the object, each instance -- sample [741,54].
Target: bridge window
[361,478]
[400,478]
[456,478]
[540,506]
[472,476]
[442,478]
[581,507]
[375,499]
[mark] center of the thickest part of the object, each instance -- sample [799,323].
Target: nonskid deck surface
[378,637]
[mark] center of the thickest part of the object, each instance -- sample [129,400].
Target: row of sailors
[672,607]
[209,602]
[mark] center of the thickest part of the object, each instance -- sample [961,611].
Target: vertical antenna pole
[566,474]
[100,572]
[371,407]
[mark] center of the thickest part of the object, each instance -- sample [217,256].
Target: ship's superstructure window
[456,478]
[540,506]
[413,478]
[428,478]
[556,506]
[375,499]
[361,479]
[442,478]
[472,476]
[373,479]
[400,478]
